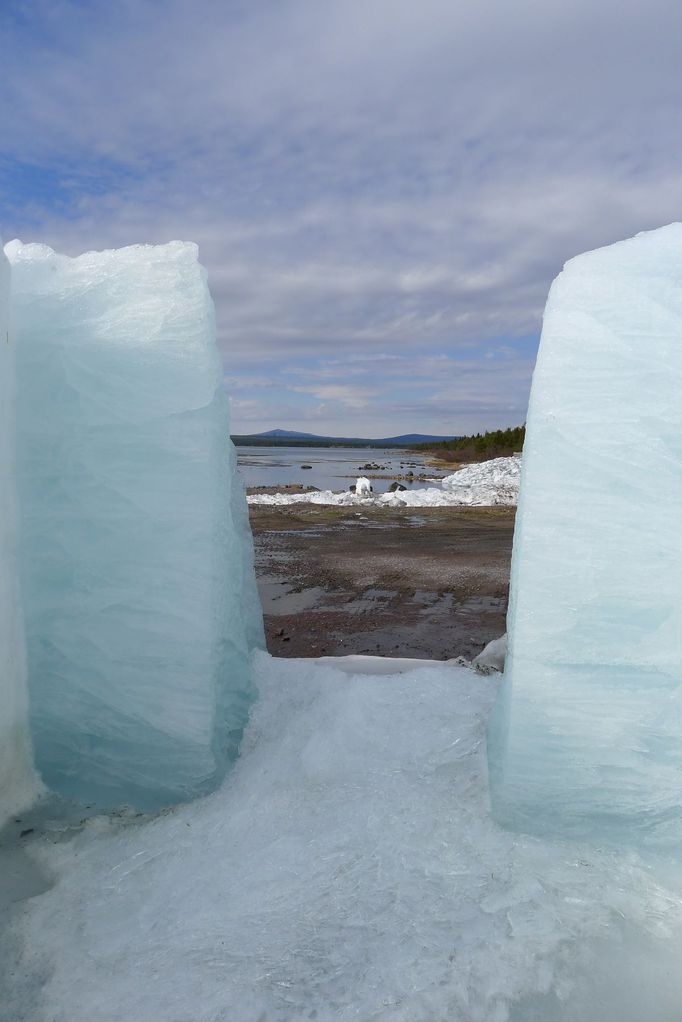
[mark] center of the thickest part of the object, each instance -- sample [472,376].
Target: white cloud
[350,396]
[365,178]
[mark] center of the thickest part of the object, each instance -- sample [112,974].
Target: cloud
[443,394]
[350,396]
[375,179]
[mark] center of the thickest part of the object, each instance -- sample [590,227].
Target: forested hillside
[499,443]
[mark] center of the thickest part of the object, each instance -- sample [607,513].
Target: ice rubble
[348,868]
[139,599]
[493,482]
[589,737]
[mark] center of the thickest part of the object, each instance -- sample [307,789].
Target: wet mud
[430,583]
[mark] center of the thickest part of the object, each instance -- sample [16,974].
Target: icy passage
[139,603]
[589,737]
[346,871]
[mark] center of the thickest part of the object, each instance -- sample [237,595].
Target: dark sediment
[413,582]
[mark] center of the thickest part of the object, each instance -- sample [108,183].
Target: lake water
[332,468]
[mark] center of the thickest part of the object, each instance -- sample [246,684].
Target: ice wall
[589,738]
[17,784]
[139,595]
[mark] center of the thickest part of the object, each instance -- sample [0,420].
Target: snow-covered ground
[488,483]
[348,869]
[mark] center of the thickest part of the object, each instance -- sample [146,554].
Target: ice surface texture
[346,871]
[16,778]
[590,738]
[139,594]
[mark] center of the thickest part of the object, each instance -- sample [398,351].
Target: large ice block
[16,775]
[589,736]
[138,586]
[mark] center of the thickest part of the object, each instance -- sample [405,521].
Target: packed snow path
[488,483]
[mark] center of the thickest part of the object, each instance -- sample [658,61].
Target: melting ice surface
[347,869]
[592,740]
[138,593]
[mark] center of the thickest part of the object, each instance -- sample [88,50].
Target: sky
[382,190]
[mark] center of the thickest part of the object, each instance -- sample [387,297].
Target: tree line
[498,443]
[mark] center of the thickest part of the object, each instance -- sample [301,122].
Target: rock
[306,466]
[394,487]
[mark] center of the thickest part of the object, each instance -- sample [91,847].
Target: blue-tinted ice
[138,590]
[589,737]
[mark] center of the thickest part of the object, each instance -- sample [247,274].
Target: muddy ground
[426,582]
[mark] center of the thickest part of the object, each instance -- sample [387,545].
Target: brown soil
[414,582]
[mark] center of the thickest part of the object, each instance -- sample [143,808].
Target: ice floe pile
[489,483]
[348,868]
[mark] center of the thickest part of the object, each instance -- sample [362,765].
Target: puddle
[20,877]
[55,819]
[434,603]
[366,523]
[316,533]
[477,605]
[371,599]
[280,598]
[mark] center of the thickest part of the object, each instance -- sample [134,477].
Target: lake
[332,468]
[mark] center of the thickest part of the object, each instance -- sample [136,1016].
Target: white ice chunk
[492,482]
[139,594]
[492,658]
[594,674]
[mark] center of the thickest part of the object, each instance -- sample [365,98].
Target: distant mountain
[286,434]
[289,437]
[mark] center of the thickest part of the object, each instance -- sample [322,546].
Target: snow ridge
[487,484]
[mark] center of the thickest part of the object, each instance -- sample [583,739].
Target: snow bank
[490,483]
[499,477]
[348,869]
